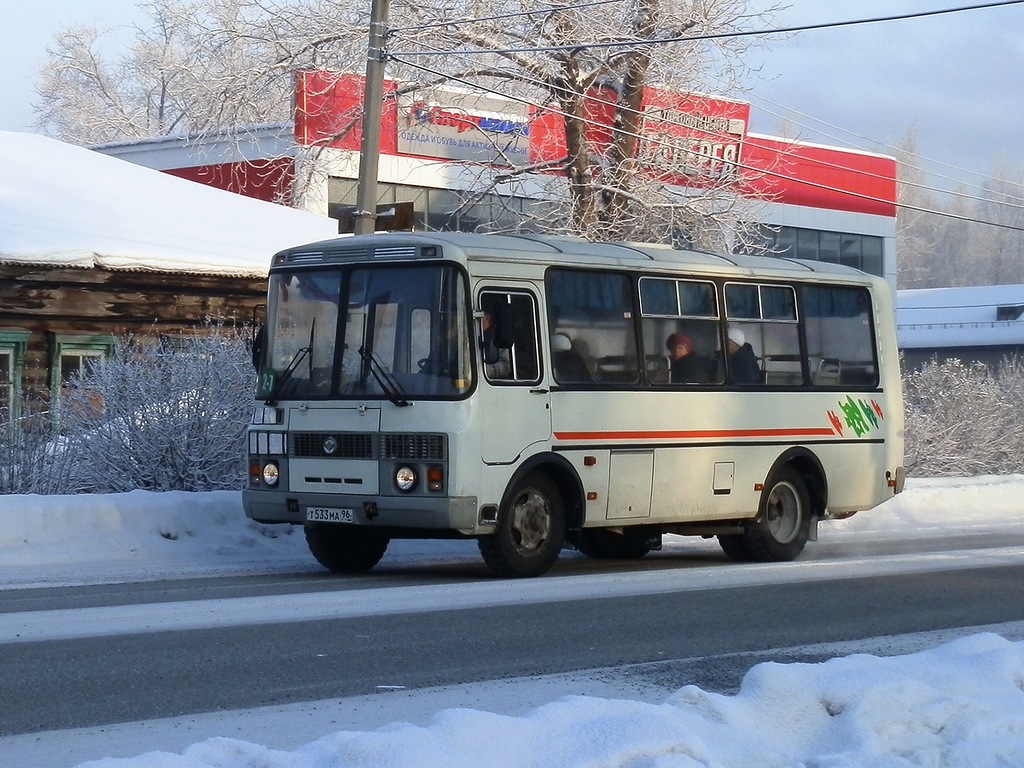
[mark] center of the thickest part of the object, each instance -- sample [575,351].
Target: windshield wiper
[384,378]
[286,374]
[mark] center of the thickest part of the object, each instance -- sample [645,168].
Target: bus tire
[783,523]
[531,528]
[345,548]
[735,547]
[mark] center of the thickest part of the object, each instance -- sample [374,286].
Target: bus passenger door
[510,387]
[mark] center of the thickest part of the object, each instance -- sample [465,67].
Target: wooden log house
[92,247]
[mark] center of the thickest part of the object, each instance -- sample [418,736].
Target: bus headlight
[271,474]
[405,478]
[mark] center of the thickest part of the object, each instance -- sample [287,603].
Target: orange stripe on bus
[699,434]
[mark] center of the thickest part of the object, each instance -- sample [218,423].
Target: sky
[940,699]
[953,80]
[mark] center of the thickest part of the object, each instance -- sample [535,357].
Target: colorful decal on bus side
[859,415]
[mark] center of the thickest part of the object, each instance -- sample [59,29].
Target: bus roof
[548,250]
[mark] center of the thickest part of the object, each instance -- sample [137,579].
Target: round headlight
[271,474]
[405,478]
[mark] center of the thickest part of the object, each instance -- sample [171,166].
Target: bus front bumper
[448,513]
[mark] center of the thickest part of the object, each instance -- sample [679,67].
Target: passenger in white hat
[742,360]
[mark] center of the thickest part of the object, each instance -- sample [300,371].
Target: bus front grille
[413,447]
[358,445]
[345,445]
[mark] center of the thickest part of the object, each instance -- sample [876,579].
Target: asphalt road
[697,637]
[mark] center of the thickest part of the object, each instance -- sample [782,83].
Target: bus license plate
[329,515]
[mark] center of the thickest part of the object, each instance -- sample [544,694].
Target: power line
[1006,203]
[724,35]
[783,153]
[683,149]
[1009,203]
[498,17]
[1013,201]
[897,150]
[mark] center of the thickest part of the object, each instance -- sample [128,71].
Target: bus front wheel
[783,523]
[531,527]
[345,548]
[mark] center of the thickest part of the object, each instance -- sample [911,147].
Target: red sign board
[329,111]
[685,140]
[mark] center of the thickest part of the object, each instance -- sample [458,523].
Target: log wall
[69,301]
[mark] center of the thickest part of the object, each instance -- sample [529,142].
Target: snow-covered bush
[158,414]
[167,416]
[34,455]
[964,419]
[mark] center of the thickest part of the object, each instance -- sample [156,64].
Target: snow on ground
[959,703]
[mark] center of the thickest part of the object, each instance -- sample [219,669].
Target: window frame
[793,367]
[14,344]
[85,345]
[496,290]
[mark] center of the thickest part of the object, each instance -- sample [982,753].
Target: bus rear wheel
[783,523]
[735,547]
[531,528]
[345,548]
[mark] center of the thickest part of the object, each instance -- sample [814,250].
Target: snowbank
[961,704]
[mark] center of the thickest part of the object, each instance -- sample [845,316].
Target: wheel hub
[531,523]
[783,513]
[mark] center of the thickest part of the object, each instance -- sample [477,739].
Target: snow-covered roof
[930,318]
[66,206]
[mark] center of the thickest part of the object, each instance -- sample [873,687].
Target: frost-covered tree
[203,66]
[159,414]
[917,232]
[972,235]
[575,58]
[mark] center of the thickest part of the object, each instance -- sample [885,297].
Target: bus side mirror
[257,346]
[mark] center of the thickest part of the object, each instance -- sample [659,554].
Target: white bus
[522,391]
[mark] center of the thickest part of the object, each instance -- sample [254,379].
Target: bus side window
[765,318]
[509,347]
[840,344]
[595,311]
[680,330]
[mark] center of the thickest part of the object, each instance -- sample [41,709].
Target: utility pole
[373,96]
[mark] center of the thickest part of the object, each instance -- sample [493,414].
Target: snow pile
[961,704]
[141,534]
[110,537]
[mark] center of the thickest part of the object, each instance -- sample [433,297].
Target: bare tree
[200,66]
[917,232]
[971,235]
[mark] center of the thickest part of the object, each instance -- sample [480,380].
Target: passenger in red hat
[687,366]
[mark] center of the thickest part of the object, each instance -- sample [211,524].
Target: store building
[817,202]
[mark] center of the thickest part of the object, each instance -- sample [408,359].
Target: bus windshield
[367,332]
